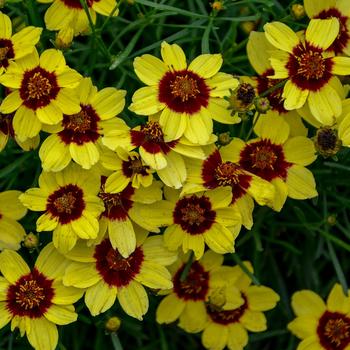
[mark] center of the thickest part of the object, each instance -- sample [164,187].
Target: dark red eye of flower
[67,203]
[343,37]
[6,52]
[6,126]
[117,205]
[264,159]
[81,127]
[217,173]
[274,97]
[195,286]
[308,69]
[38,88]
[227,316]
[183,91]
[151,138]
[194,214]
[75,4]
[134,166]
[116,270]
[30,296]
[334,331]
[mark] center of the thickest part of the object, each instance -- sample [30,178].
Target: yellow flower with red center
[78,135]
[220,170]
[310,70]
[229,326]
[258,51]
[188,96]
[11,210]
[166,158]
[35,300]
[107,275]
[70,13]
[129,211]
[72,207]
[333,9]
[18,45]
[199,219]
[42,91]
[277,158]
[320,325]
[187,300]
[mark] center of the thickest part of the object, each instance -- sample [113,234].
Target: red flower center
[114,269]
[38,88]
[117,205]
[6,52]
[31,295]
[227,316]
[343,37]
[67,203]
[334,331]
[183,91]
[308,69]
[81,127]
[194,214]
[151,138]
[75,4]
[264,159]
[195,286]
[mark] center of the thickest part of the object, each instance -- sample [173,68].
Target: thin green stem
[187,268]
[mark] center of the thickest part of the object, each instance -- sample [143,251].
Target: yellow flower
[308,67]
[189,96]
[204,217]
[320,325]
[35,300]
[219,170]
[258,51]
[78,135]
[333,9]
[187,300]
[228,326]
[277,158]
[72,207]
[69,13]
[107,275]
[11,210]
[17,45]
[166,158]
[42,92]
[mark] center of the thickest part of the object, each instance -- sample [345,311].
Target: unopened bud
[332,220]
[112,324]
[327,142]
[31,241]
[248,26]
[224,138]
[217,6]
[64,38]
[241,99]
[298,11]
[262,104]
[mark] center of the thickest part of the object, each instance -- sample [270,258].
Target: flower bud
[327,142]
[298,11]
[31,241]
[112,324]
[262,104]
[224,138]
[217,5]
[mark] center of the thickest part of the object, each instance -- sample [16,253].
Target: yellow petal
[5,26]
[155,276]
[261,298]
[299,150]
[173,56]
[169,309]
[219,239]
[52,60]
[206,65]
[173,124]
[86,155]
[43,334]
[237,337]
[310,343]
[194,317]
[11,206]
[67,101]
[145,101]
[341,65]
[322,32]
[218,110]
[199,127]
[5,316]
[272,128]
[301,183]
[11,102]
[254,321]
[307,303]
[12,266]
[61,314]
[221,84]
[337,301]
[65,295]
[281,193]
[173,237]
[303,326]
[215,336]
[294,96]
[313,8]
[194,243]
[122,236]
[12,234]
[64,238]
[174,174]
[49,114]
[108,102]
[81,275]
[149,69]
[281,36]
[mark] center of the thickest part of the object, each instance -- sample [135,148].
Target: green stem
[116,342]
[273,88]
[253,126]
[187,268]
[244,268]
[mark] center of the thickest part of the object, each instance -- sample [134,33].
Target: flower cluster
[158,206]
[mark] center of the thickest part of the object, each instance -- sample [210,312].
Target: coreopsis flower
[258,51]
[166,158]
[333,9]
[7,132]
[187,300]
[189,96]
[11,210]
[78,135]
[277,158]
[70,13]
[42,92]
[199,219]
[220,170]
[107,275]
[228,327]
[309,69]
[71,204]
[35,300]
[128,211]
[17,45]
[320,325]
